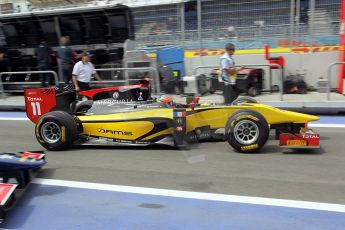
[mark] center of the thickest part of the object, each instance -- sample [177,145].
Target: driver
[166,100]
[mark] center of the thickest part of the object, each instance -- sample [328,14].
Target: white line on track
[326,125]
[195,195]
[14,119]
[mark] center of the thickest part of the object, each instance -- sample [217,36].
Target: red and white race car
[139,92]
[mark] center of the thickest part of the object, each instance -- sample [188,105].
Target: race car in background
[140,92]
[16,172]
[244,125]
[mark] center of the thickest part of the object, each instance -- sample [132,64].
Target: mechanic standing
[65,58]
[82,73]
[42,53]
[228,74]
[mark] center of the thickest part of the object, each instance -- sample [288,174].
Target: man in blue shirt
[65,57]
[228,74]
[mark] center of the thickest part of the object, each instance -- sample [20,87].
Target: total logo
[34,99]
[311,136]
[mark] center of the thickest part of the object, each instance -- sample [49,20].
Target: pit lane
[213,167]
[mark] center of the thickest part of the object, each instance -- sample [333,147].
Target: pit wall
[311,62]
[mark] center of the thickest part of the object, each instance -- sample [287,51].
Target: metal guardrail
[329,69]
[2,91]
[253,65]
[155,81]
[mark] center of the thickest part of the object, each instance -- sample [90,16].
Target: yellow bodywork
[137,125]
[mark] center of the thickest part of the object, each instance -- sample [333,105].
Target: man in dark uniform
[65,58]
[42,54]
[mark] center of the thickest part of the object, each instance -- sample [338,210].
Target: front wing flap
[306,139]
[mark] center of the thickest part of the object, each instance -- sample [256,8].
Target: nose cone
[296,117]
[11,162]
[279,116]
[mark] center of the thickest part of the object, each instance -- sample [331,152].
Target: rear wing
[43,100]
[39,102]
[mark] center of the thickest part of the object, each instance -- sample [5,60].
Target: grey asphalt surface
[317,175]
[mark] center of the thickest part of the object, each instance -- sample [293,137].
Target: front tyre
[56,130]
[247,131]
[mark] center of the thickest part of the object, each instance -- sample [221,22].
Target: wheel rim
[51,132]
[246,132]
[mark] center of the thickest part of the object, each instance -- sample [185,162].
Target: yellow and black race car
[60,123]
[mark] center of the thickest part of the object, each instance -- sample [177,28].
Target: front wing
[302,140]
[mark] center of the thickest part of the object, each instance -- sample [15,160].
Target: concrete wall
[312,65]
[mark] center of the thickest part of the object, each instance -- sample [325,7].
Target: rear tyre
[244,100]
[253,91]
[56,130]
[247,131]
[275,88]
[83,106]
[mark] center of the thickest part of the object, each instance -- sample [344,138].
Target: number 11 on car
[36,108]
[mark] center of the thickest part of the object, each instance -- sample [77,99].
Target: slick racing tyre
[244,100]
[83,106]
[247,131]
[56,130]
[253,91]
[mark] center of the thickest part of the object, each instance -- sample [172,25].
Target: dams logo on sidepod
[124,133]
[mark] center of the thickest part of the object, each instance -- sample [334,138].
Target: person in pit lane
[82,73]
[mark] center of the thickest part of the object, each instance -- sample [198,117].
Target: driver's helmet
[166,100]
